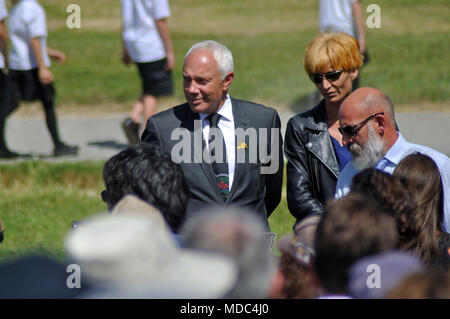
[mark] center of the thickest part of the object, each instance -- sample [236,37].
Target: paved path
[100,137]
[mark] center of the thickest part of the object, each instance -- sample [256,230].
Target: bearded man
[367,125]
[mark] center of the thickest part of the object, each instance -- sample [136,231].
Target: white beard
[369,154]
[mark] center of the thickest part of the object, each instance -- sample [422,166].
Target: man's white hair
[221,53]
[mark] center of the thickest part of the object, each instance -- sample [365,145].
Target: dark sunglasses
[330,76]
[352,130]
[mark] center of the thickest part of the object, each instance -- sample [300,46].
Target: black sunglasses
[352,130]
[330,76]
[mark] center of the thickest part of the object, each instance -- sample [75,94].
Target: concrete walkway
[100,137]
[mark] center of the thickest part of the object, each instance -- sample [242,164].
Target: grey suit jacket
[252,190]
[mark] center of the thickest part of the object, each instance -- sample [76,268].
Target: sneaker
[131,130]
[63,149]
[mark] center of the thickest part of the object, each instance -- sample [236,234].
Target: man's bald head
[366,101]
[368,115]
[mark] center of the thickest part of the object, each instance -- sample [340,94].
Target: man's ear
[381,122]
[227,81]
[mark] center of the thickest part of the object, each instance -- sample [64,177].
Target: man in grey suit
[230,150]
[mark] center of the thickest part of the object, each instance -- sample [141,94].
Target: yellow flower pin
[242,145]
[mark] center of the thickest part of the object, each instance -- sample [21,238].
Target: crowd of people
[189,204]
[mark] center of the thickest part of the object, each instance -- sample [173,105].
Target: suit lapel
[240,121]
[320,138]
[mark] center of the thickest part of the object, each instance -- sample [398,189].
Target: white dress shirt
[226,125]
[394,155]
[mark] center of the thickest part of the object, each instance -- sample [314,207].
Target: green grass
[409,52]
[39,200]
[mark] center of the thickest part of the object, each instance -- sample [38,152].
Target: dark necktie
[219,164]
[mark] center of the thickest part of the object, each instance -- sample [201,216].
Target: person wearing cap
[211,137]
[367,125]
[313,144]
[297,259]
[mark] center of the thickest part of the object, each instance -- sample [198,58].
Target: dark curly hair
[145,171]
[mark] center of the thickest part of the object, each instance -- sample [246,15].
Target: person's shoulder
[31,4]
[30,9]
[170,116]
[438,157]
[312,117]
[249,105]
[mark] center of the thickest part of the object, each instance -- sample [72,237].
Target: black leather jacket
[312,166]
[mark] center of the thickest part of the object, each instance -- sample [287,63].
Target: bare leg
[137,111]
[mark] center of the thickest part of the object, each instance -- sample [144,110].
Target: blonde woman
[313,144]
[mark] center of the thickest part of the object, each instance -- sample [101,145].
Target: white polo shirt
[3,15]
[140,35]
[336,15]
[26,21]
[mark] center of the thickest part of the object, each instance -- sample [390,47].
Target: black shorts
[27,86]
[156,80]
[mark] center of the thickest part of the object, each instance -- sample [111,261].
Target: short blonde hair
[337,50]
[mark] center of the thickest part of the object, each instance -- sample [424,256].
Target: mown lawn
[39,200]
